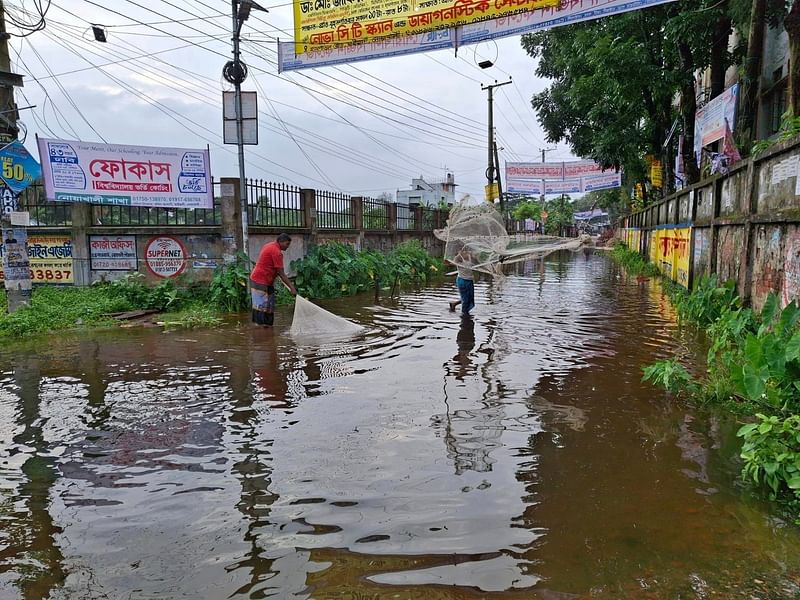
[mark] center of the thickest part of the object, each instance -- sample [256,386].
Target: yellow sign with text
[50,259]
[670,250]
[492,192]
[325,24]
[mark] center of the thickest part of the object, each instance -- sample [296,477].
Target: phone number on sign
[47,275]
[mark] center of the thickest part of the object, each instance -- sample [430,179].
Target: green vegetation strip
[752,369]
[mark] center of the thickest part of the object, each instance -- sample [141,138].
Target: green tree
[614,79]
[527,210]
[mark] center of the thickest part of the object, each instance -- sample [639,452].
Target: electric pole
[490,169]
[544,151]
[15,254]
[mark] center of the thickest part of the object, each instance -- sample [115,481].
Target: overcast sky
[160,84]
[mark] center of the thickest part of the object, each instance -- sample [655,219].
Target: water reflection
[515,454]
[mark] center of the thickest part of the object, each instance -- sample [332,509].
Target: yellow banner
[656,174]
[50,259]
[325,24]
[670,250]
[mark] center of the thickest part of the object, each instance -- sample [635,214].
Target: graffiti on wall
[633,238]
[702,251]
[791,273]
[670,250]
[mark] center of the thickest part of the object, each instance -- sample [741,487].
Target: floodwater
[514,455]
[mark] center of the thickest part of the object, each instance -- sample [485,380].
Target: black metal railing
[334,210]
[376,214]
[274,205]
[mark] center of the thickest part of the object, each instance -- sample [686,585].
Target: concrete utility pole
[239,73]
[544,151]
[18,284]
[490,169]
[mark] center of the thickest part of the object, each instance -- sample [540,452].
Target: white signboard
[125,175]
[165,256]
[567,186]
[709,124]
[570,11]
[112,253]
[519,186]
[606,181]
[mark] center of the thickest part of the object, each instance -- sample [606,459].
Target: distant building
[429,194]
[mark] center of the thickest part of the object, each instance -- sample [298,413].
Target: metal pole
[499,183]
[237,27]
[490,169]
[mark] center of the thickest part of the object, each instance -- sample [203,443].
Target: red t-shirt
[270,260]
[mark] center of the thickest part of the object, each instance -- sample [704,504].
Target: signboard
[491,191]
[670,250]
[522,186]
[126,175]
[165,256]
[564,186]
[50,258]
[15,267]
[19,168]
[608,181]
[709,124]
[560,178]
[8,199]
[112,253]
[291,58]
[230,135]
[320,24]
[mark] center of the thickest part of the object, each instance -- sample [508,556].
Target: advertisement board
[572,177]
[112,253]
[320,24]
[125,175]
[670,251]
[709,124]
[50,258]
[19,168]
[165,256]
[292,58]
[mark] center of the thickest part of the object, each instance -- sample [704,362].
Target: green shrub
[228,290]
[336,269]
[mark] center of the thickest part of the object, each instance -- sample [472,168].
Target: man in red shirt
[262,279]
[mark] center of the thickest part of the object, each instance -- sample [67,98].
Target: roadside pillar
[81,263]
[308,198]
[231,219]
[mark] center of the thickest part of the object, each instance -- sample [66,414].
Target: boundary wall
[744,226]
[80,244]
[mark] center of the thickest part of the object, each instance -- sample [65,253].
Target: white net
[311,321]
[475,238]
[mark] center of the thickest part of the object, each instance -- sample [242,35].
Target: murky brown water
[513,456]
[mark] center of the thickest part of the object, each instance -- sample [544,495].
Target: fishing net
[475,238]
[311,321]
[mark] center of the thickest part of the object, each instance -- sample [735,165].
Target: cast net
[475,238]
[311,321]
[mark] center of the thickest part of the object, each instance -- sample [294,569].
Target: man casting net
[475,238]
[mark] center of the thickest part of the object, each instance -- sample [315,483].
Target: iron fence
[430,218]
[334,211]
[107,215]
[44,213]
[405,217]
[376,214]
[274,205]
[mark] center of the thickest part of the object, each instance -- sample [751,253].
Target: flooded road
[514,455]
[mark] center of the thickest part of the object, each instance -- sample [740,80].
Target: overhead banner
[520,186]
[292,58]
[559,177]
[321,24]
[125,175]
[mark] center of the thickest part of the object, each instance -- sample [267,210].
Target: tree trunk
[722,33]
[688,113]
[752,75]
[792,25]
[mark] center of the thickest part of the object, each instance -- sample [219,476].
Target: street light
[235,72]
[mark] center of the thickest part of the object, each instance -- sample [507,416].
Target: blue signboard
[19,168]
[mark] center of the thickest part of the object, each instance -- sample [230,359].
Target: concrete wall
[744,227]
[85,252]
